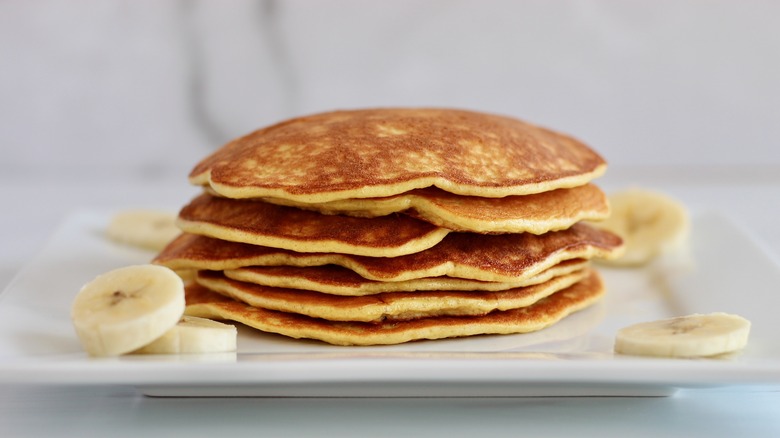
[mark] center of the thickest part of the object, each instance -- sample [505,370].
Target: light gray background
[104,87]
[99,98]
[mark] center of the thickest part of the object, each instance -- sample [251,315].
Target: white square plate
[722,271]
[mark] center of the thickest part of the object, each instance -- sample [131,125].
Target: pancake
[385,152]
[260,223]
[537,213]
[332,279]
[545,312]
[384,306]
[497,258]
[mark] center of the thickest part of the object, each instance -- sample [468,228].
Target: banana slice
[127,308]
[194,335]
[149,229]
[686,336]
[649,222]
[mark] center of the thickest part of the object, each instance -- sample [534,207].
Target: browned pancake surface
[537,213]
[336,280]
[260,223]
[545,312]
[504,257]
[383,152]
[384,306]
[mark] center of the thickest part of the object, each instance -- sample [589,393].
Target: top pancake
[385,152]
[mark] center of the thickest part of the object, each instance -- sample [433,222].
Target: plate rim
[595,374]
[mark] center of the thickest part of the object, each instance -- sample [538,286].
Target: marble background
[146,85]
[113,93]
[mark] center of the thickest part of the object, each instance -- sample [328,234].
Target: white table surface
[751,197]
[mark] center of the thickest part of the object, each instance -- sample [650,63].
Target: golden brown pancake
[545,312]
[537,213]
[385,152]
[384,306]
[498,258]
[336,280]
[260,223]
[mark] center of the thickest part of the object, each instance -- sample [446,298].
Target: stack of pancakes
[385,226]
